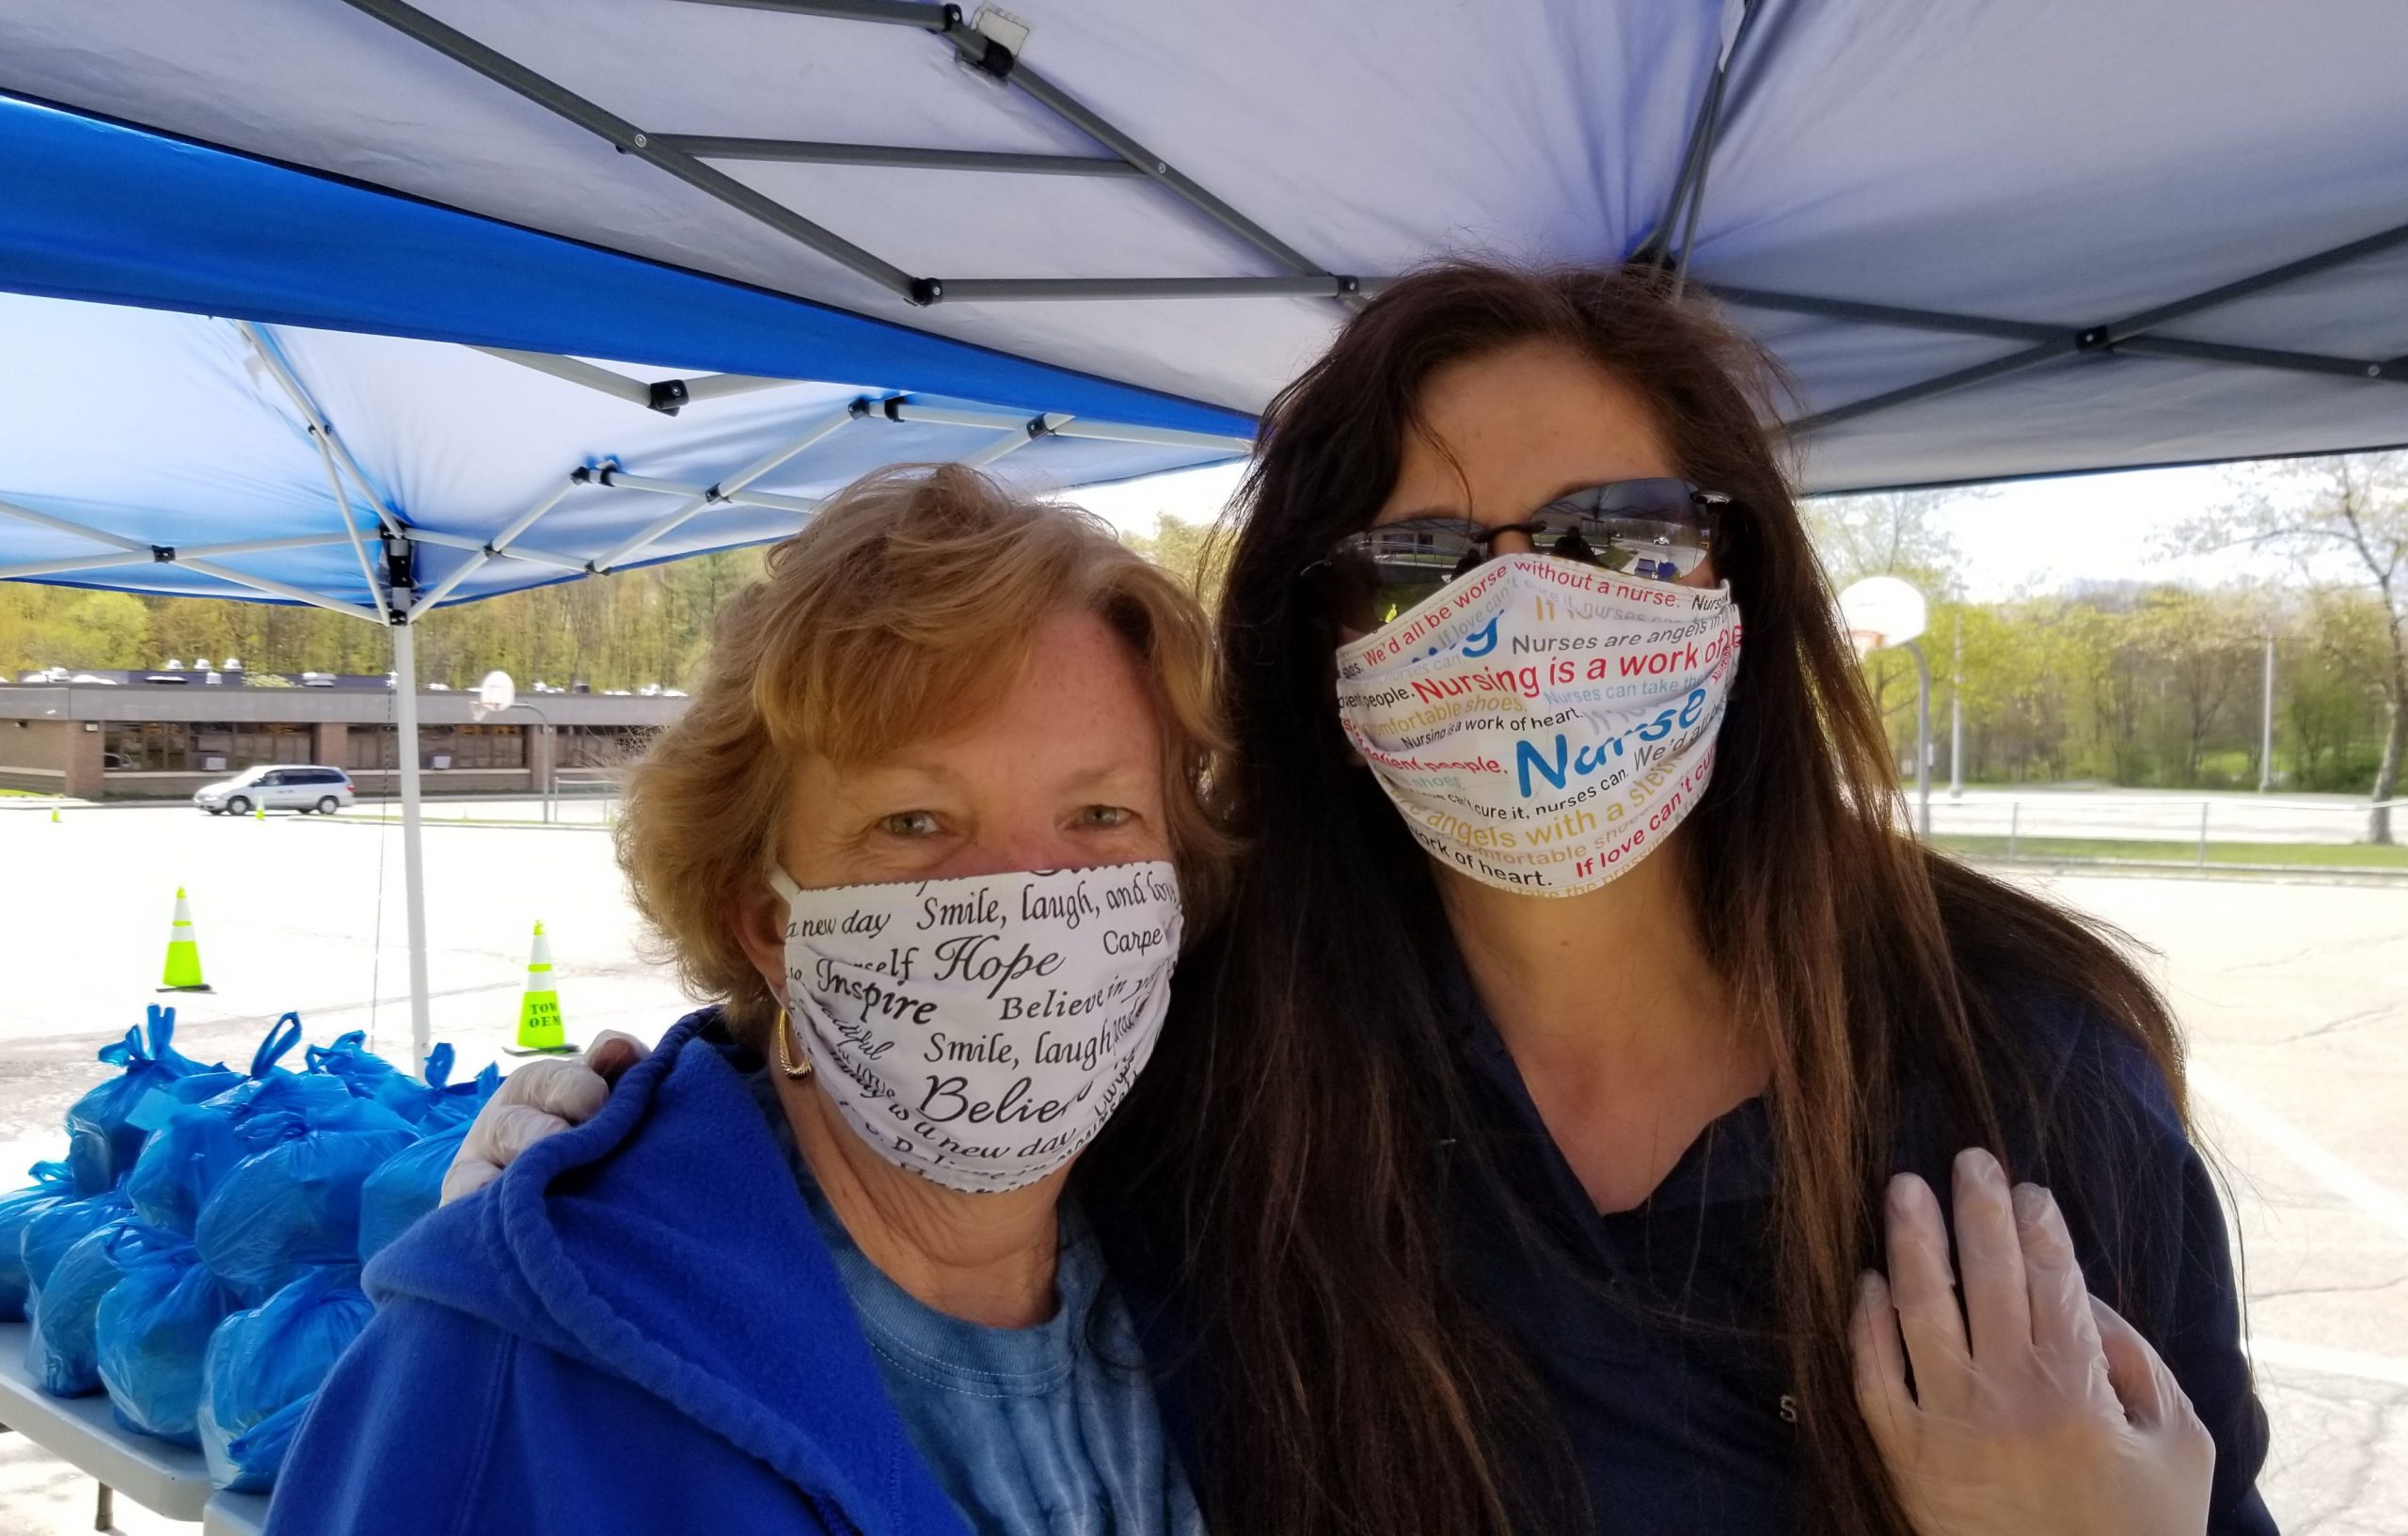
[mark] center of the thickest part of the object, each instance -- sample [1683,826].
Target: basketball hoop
[495,695]
[1880,611]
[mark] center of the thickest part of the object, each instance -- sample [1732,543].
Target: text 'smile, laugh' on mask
[979,1032]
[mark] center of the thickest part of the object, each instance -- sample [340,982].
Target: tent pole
[686,511]
[413,862]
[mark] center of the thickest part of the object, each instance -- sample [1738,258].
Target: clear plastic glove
[2034,1407]
[539,1099]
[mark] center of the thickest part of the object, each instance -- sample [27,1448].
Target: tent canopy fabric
[1982,241]
[176,452]
[154,432]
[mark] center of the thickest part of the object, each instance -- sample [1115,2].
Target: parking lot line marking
[2385,1207]
[2330,1362]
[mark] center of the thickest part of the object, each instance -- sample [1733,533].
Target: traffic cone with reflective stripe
[182,971]
[540,1030]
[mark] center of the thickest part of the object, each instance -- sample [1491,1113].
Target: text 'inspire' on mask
[1543,725]
[979,1032]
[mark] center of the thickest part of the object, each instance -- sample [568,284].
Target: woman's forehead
[1078,708]
[1504,433]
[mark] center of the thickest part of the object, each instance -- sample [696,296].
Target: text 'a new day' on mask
[979,1032]
[1541,724]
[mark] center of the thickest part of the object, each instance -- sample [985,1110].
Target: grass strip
[2168,850]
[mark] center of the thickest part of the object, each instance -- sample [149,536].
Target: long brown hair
[1292,1120]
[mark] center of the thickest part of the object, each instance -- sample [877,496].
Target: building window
[475,747]
[202,746]
[372,748]
[601,745]
[156,748]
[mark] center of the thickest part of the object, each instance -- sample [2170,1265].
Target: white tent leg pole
[413,865]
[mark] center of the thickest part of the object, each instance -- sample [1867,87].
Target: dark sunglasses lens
[1655,529]
[1375,575]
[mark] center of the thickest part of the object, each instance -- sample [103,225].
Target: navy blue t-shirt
[1648,1329]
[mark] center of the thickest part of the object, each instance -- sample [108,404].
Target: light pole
[1881,611]
[1956,717]
[1923,739]
[2266,723]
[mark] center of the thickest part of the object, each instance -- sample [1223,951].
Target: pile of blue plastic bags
[197,1254]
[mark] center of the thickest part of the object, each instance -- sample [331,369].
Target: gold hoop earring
[785,1049]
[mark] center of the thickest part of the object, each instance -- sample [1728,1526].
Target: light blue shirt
[1031,1431]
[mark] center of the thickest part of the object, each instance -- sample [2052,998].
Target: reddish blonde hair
[909,599]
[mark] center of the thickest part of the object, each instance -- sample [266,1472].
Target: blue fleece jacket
[637,1328]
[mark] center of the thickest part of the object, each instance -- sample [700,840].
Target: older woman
[925,829]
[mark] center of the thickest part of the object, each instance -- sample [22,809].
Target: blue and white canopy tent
[182,452]
[1985,242]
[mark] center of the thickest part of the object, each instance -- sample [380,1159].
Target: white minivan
[303,788]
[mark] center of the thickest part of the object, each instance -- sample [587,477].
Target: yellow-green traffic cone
[53,813]
[540,1029]
[182,971]
[259,812]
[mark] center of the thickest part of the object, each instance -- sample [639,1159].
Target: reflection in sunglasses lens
[1647,529]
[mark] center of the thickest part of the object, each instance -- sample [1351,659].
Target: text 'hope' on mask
[1542,726]
[979,1032]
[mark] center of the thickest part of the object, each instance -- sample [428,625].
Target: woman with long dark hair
[1533,1116]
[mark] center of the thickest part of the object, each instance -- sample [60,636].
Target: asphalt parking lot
[2294,994]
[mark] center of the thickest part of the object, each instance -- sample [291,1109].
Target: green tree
[2344,519]
[2201,645]
[1197,553]
[1900,534]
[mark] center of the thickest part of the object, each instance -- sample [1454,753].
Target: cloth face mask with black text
[979,1032]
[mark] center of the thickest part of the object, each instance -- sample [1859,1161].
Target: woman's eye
[909,824]
[1106,817]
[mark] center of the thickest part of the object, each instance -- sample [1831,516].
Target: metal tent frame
[995,53]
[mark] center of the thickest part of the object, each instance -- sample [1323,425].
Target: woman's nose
[1011,849]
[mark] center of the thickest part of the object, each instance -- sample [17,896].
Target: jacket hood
[663,1242]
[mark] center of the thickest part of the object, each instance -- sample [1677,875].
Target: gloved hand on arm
[2033,1407]
[535,1102]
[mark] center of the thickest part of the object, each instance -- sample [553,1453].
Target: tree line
[622,631]
[2128,684]
[2163,684]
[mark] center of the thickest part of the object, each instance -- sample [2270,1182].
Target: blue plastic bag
[265,1365]
[193,1152]
[368,1075]
[51,1232]
[371,1076]
[63,1350]
[104,1132]
[154,1328]
[453,1103]
[294,1201]
[405,1187]
[54,1182]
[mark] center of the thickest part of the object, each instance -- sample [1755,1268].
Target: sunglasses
[1648,530]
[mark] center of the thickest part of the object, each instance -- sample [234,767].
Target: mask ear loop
[785,1049]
